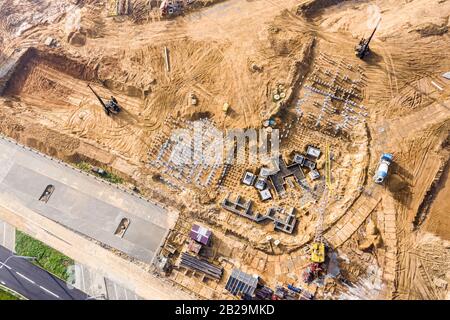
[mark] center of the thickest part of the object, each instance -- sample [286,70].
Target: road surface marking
[3,283]
[2,264]
[46,290]
[28,279]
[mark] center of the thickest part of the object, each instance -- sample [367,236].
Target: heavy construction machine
[363,49]
[319,245]
[383,167]
[111,106]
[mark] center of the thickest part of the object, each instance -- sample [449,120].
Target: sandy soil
[438,222]
[238,52]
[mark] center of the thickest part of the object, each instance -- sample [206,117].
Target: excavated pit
[39,76]
[48,107]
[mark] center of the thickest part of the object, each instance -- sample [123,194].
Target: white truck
[382,171]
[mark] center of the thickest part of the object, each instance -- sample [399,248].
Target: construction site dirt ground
[238,52]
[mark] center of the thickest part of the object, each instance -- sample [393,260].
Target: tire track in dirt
[82,116]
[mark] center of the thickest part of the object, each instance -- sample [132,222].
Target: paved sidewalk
[97,285]
[80,202]
[7,236]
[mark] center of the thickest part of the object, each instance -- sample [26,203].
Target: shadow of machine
[111,106]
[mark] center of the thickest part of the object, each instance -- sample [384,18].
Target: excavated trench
[38,72]
[40,85]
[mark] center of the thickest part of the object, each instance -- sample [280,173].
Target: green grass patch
[84,166]
[5,295]
[46,257]
[108,176]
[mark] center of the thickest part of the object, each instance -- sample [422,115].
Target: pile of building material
[200,234]
[210,270]
[242,283]
[199,237]
[119,7]
[123,7]
[263,293]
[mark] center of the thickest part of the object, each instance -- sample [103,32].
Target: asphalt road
[32,282]
[80,202]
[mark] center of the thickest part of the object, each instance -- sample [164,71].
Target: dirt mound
[284,41]
[34,57]
[312,7]
[77,38]
[431,29]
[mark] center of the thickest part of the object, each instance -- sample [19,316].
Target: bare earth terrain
[390,241]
